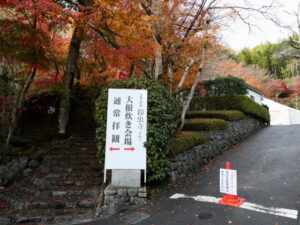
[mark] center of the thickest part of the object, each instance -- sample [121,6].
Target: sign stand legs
[105,176]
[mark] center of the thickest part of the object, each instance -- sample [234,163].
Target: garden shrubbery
[163,116]
[228,115]
[204,124]
[231,102]
[184,141]
[229,85]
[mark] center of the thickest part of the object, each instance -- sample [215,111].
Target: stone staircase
[66,186]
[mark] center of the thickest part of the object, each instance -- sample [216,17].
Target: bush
[228,115]
[203,124]
[184,141]
[229,85]
[163,115]
[231,102]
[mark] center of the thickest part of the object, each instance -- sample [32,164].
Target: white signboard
[228,181]
[126,129]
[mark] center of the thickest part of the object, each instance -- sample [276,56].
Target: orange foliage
[224,67]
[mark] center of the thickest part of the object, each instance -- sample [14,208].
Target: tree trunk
[184,76]
[170,76]
[64,106]
[186,104]
[18,104]
[131,72]
[158,68]
[147,67]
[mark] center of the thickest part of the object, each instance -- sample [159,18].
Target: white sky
[238,36]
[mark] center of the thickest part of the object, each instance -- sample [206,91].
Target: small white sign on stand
[126,130]
[228,181]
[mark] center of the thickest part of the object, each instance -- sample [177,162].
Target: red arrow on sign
[129,149]
[114,149]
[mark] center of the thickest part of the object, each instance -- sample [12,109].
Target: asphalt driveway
[268,166]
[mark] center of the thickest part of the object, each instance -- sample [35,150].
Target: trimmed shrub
[203,124]
[229,85]
[184,141]
[163,116]
[228,115]
[231,102]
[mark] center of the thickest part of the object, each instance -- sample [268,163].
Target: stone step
[44,191]
[75,152]
[76,174]
[66,181]
[61,202]
[66,186]
[22,200]
[68,169]
[78,147]
[84,143]
[51,156]
[41,216]
[70,162]
[15,197]
[5,207]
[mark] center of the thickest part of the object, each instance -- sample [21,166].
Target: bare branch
[183,22]
[105,37]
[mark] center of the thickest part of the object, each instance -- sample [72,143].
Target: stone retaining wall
[14,167]
[218,141]
[117,198]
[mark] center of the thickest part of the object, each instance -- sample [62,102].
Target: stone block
[115,206]
[27,172]
[59,193]
[106,199]
[99,210]
[132,192]
[23,161]
[137,200]
[33,163]
[104,208]
[71,204]
[91,192]
[142,189]
[142,195]
[87,204]
[122,192]
[109,192]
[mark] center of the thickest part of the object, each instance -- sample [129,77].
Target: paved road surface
[268,165]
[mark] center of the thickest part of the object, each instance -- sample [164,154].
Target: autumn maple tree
[275,88]
[55,43]
[25,28]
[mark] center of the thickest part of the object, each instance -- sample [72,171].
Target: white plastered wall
[281,114]
[255,96]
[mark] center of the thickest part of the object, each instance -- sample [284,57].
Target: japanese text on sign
[228,181]
[126,129]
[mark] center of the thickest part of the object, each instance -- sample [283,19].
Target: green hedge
[229,85]
[184,141]
[228,115]
[231,102]
[163,115]
[204,124]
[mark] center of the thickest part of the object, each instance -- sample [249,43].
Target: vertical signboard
[126,129]
[228,181]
